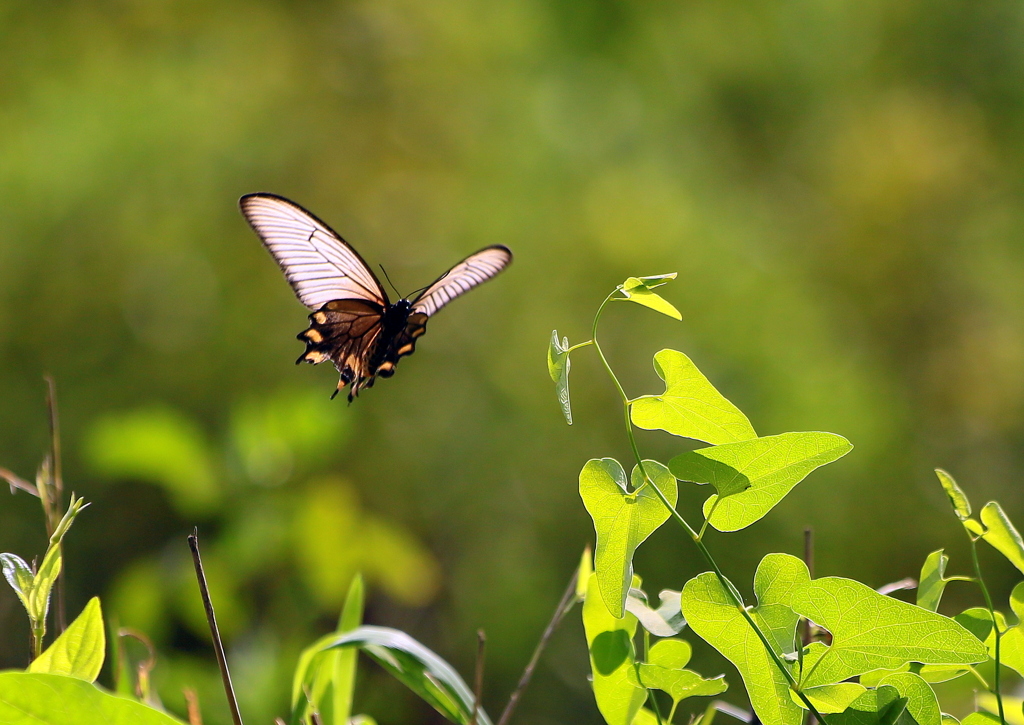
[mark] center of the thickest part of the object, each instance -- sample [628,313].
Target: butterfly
[353,323]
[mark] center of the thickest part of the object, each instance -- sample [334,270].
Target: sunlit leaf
[829,699]
[981,718]
[1011,708]
[622,520]
[690,407]
[1011,644]
[638,289]
[752,476]
[29,698]
[871,631]
[664,670]
[609,640]
[961,506]
[558,369]
[79,650]
[343,675]
[1001,534]
[713,615]
[922,704]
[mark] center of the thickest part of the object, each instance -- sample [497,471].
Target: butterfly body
[354,324]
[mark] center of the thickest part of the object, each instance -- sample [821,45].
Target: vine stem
[995,624]
[698,542]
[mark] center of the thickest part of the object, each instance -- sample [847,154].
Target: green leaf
[1011,644]
[664,670]
[714,616]
[871,631]
[981,718]
[39,699]
[79,651]
[961,506]
[343,677]
[665,621]
[690,407]
[829,699]
[558,369]
[19,575]
[752,476]
[1011,707]
[1001,534]
[922,704]
[932,581]
[610,641]
[638,289]
[415,666]
[949,720]
[875,707]
[622,520]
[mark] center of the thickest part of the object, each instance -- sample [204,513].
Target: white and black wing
[464,276]
[319,264]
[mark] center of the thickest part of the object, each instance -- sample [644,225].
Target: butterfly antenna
[389,280]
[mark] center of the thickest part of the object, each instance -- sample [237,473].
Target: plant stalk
[995,626]
[564,605]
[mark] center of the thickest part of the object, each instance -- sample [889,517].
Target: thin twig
[481,642]
[195,715]
[18,483]
[57,489]
[560,611]
[218,645]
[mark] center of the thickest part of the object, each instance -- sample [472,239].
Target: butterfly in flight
[353,323]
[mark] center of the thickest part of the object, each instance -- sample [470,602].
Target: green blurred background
[839,184]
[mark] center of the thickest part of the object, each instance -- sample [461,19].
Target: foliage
[865,656]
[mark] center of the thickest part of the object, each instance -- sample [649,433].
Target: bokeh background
[840,186]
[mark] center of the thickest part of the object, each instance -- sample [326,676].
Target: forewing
[463,277]
[319,264]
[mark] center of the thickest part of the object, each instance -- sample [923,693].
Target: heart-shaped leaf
[830,699]
[690,407]
[558,369]
[752,476]
[664,670]
[623,519]
[922,704]
[871,631]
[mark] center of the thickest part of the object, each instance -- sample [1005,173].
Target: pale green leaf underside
[558,369]
[752,476]
[711,613]
[665,621]
[79,651]
[1002,534]
[958,499]
[690,407]
[871,631]
[609,640]
[622,521]
[29,698]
